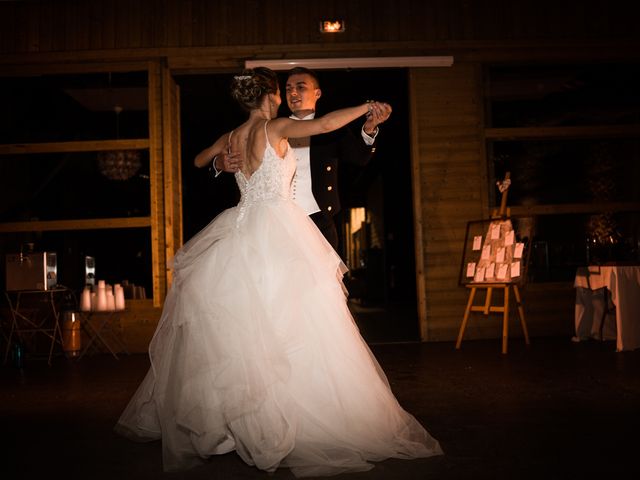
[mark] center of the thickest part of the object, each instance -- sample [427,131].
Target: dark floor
[553,410]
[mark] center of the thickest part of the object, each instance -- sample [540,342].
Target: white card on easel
[517,253]
[502,272]
[471,269]
[479,275]
[515,269]
[486,252]
[490,271]
[500,255]
[495,231]
[510,238]
[477,242]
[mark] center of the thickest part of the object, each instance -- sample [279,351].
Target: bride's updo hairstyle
[252,85]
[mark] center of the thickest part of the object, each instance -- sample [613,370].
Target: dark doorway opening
[382,282]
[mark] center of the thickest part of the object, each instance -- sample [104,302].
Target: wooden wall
[448,111]
[76,25]
[449,164]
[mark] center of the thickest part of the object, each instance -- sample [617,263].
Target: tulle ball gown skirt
[256,351]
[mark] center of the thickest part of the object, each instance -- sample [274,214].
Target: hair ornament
[242,77]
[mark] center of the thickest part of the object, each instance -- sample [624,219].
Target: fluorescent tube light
[356,62]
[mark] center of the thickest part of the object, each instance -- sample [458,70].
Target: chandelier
[119,164]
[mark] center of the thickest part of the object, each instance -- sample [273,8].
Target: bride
[256,350]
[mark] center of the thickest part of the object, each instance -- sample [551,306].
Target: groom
[315,184]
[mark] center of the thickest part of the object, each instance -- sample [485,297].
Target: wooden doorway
[382,285]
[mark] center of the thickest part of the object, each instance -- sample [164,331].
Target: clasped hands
[378,112]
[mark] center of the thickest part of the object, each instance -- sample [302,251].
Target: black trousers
[327,226]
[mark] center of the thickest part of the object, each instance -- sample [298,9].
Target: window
[74,172]
[568,135]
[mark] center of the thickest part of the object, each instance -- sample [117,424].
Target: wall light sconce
[332,26]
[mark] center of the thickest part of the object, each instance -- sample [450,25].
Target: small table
[29,319]
[99,325]
[595,286]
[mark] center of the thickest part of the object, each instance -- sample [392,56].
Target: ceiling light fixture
[355,62]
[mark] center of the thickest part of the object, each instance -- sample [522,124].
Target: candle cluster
[102,298]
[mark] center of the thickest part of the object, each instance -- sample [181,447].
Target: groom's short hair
[305,71]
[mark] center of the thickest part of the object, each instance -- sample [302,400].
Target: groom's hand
[229,162]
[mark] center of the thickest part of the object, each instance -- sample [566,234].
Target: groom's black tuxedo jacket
[326,152]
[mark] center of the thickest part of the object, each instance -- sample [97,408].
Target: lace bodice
[271,180]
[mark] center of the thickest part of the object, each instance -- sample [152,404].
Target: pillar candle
[85,300]
[101,300]
[119,294]
[111,301]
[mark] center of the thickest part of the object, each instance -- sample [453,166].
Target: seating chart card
[471,269]
[502,272]
[515,269]
[493,252]
[509,238]
[517,253]
[479,277]
[490,272]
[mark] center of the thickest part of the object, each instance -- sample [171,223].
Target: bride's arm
[288,128]
[205,157]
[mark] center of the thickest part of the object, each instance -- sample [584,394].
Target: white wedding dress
[256,350]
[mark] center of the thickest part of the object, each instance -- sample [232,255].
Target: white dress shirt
[301,183]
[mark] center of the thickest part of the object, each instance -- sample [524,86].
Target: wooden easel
[487,308]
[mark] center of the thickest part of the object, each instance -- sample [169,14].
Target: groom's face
[302,93]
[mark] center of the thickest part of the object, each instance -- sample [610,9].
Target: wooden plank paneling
[83,25]
[20,33]
[172,23]
[109,15]
[92,224]
[7,28]
[185,23]
[199,22]
[72,68]
[124,25]
[45,27]
[138,323]
[156,173]
[68,12]
[137,22]
[545,133]
[95,25]
[449,185]
[33,28]
[418,220]
[559,209]
[172,168]
[80,146]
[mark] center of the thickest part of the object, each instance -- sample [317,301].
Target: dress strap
[266,137]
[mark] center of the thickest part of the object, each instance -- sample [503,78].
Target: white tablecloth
[623,288]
